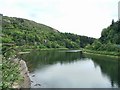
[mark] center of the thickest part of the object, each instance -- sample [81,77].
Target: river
[71,69]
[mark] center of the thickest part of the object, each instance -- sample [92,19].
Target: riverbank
[102,53]
[24,73]
[29,50]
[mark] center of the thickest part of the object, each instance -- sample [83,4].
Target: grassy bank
[10,73]
[10,69]
[102,53]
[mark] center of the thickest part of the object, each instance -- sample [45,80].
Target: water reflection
[37,58]
[109,66]
[72,69]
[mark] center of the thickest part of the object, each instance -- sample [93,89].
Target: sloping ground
[111,33]
[26,82]
[28,33]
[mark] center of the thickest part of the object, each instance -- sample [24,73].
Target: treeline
[109,40]
[29,34]
[111,34]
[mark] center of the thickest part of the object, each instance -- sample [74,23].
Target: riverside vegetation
[23,35]
[109,42]
[10,70]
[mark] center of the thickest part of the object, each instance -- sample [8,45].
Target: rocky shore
[24,73]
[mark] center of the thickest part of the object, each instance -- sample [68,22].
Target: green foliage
[111,33]
[10,73]
[10,69]
[28,33]
[109,40]
[98,46]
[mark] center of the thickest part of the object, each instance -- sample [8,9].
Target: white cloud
[83,17]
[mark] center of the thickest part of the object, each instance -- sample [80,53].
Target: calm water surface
[71,69]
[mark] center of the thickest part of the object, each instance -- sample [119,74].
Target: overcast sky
[82,17]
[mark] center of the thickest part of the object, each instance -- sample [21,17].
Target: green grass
[10,73]
[105,53]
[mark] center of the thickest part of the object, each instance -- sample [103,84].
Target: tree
[113,22]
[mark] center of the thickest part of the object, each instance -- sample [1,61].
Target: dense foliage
[30,34]
[10,69]
[111,33]
[109,40]
[10,73]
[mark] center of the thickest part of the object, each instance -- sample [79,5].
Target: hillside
[23,32]
[109,42]
[111,33]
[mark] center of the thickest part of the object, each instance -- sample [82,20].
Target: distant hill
[23,32]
